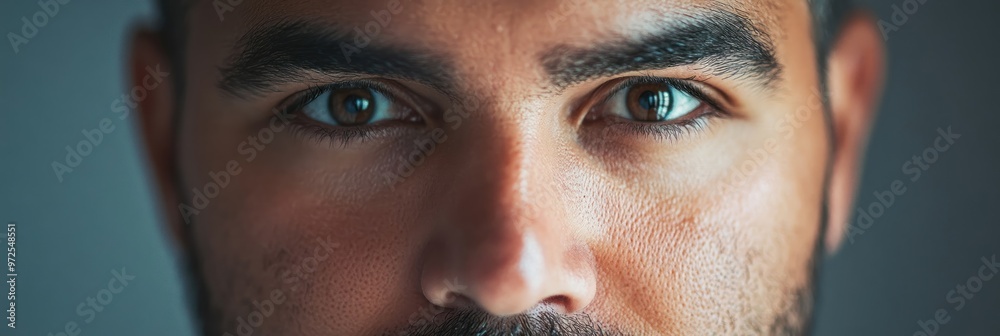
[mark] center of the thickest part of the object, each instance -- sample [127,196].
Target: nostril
[457,300]
[559,303]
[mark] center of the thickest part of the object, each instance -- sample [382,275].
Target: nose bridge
[493,235]
[490,192]
[499,146]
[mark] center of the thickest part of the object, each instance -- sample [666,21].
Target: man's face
[644,167]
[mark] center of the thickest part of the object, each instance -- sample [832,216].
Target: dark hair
[826,14]
[827,17]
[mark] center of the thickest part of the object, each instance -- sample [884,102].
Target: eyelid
[394,92]
[340,136]
[686,86]
[716,102]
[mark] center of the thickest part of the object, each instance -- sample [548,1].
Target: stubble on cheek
[698,263]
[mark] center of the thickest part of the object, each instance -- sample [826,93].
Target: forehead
[484,36]
[512,22]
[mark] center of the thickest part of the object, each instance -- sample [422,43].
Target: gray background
[942,73]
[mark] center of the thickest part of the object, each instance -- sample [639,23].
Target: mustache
[477,322]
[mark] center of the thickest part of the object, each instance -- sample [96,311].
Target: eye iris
[650,102]
[355,104]
[352,107]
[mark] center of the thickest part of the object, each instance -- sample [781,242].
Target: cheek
[269,228]
[706,249]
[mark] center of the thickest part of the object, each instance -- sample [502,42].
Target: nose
[507,240]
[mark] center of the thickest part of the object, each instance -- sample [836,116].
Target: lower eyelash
[341,137]
[682,85]
[332,135]
[345,136]
[666,132]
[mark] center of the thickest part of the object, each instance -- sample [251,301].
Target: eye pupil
[650,102]
[352,107]
[355,104]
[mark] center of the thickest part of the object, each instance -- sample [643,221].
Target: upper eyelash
[682,85]
[345,135]
[314,92]
[341,135]
[664,131]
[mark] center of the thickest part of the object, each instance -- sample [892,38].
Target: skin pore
[516,175]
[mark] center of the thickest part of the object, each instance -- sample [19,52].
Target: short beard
[477,322]
[795,319]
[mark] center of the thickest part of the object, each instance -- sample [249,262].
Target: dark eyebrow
[283,52]
[725,43]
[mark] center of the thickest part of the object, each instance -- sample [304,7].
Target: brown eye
[649,102]
[652,101]
[352,107]
[359,104]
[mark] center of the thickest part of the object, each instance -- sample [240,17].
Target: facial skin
[534,202]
